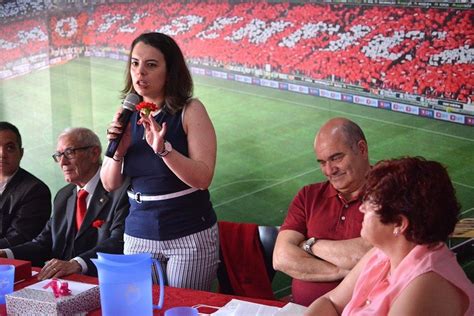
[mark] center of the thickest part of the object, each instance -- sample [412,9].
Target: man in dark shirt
[25,201]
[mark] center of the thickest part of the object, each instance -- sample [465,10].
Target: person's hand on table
[57,268]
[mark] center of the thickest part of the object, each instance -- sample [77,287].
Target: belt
[139,198]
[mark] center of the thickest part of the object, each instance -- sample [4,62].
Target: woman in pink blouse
[410,208]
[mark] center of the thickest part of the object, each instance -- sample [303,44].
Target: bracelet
[163,153]
[308,244]
[118,160]
[167,148]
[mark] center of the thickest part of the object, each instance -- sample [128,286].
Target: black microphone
[128,106]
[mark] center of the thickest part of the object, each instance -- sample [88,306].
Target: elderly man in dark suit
[25,201]
[86,218]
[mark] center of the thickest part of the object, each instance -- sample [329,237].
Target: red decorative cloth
[173,296]
[81,207]
[244,260]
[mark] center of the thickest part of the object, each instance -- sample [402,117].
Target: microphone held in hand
[128,108]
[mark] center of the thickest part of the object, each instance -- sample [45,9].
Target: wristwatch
[166,149]
[308,244]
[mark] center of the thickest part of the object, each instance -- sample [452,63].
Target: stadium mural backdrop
[415,60]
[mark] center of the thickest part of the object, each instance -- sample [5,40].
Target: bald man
[319,241]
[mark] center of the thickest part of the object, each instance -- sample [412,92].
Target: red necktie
[81,207]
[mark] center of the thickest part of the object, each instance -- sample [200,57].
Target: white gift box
[37,300]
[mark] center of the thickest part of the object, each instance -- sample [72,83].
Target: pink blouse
[374,291]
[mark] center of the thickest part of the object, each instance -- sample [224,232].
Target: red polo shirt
[318,211]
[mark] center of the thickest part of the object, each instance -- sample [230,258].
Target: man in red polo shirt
[319,241]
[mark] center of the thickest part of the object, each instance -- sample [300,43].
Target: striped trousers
[187,262]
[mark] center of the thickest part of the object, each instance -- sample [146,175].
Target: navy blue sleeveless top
[166,219]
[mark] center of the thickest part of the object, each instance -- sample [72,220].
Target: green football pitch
[265,136]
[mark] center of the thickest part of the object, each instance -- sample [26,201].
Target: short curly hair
[419,189]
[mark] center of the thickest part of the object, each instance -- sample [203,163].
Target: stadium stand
[419,51]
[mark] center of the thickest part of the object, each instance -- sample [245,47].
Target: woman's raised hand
[154,132]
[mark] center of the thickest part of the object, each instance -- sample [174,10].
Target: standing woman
[170,156]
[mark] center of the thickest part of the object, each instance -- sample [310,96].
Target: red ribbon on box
[59,288]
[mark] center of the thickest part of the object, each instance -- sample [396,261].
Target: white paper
[33,273]
[291,309]
[237,308]
[75,287]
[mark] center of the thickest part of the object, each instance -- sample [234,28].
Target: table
[173,296]
[461,242]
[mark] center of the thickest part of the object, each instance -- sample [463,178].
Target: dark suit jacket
[60,239]
[25,207]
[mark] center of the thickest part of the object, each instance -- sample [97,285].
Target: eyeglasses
[69,153]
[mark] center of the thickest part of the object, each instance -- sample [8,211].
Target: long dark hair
[179,84]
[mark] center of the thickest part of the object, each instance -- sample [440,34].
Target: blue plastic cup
[182,311]
[7,280]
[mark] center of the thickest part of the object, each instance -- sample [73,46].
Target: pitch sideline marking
[266,187]
[340,112]
[241,181]
[289,179]
[283,289]
[467,211]
[463,185]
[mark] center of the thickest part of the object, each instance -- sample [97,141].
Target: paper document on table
[237,307]
[291,309]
